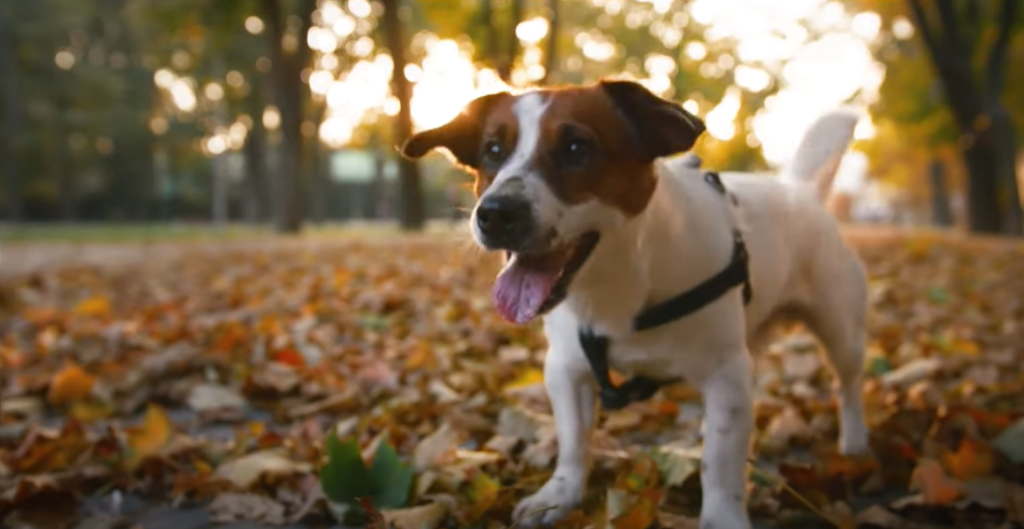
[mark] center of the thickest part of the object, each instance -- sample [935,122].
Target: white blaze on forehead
[528,109]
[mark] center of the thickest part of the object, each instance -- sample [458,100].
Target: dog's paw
[724,519]
[549,504]
[853,440]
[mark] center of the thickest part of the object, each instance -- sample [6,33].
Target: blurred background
[284,114]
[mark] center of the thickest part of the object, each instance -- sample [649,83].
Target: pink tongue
[520,291]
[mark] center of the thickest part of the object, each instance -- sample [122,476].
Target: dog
[600,221]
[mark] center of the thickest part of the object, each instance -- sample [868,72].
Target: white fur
[798,261]
[528,109]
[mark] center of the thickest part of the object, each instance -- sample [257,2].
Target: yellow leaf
[965,347]
[69,385]
[481,493]
[91,410]
[527,378]
[149,438]
[94,306]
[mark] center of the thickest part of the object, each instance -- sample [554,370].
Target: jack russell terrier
[650,266]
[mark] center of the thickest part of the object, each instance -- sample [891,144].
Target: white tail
[821,150]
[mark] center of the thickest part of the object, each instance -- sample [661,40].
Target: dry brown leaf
[936,488]
[230,507]
[247,470]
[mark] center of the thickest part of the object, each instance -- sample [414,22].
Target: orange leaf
[94,306]
[290,357]
[971,460]
[149,438]
[936,488]
[69,385]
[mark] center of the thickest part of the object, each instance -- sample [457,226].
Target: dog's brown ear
[461,135]
[659,126]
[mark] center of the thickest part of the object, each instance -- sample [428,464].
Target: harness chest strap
[595,347]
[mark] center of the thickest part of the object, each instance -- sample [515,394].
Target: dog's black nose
[504,220]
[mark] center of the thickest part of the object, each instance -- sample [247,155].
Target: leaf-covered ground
[204,387]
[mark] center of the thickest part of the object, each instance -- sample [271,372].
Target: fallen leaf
[436,449]
[936,488]
[229,507]
[69,385]
[247,470]
[911,372]
[677,464]
[427,516]
[149,438]
[971,460]
[94,306]
[213,397]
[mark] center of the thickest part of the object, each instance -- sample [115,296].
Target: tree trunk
[982,122]
[1008,194]
[12,114]
[551,57]
[489,35]
[66,170]
[289,94]
[254,206]
[942,214]
[512,43]
[411,212]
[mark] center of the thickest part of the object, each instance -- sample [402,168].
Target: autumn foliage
[372,379]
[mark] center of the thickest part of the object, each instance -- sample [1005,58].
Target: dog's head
[554,169]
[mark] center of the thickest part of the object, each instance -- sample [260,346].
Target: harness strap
[595,347]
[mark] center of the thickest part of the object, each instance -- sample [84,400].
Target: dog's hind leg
[837,316]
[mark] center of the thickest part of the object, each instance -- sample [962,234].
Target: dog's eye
[493,151]
[576,153]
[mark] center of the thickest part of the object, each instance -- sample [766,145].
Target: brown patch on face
[499,128]
[586,151]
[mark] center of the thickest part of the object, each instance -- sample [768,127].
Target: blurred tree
[962,51]
[289,56]
[551,56]
[975,98]
[411,213]
[12,105]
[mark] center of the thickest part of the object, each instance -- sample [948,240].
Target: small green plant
[345,479]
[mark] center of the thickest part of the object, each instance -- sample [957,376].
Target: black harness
[595,347]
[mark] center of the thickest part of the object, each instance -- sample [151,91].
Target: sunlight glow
[902,28]
[163,78]
[721,120]
[271,118]
[182,95]
[442,84]
[696,50]
[64,59]
[254,25]
[213,92]
[533,30]
[359,8]
[817,74]
[751,79]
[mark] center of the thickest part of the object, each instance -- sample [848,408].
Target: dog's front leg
[728,408]
[567,380]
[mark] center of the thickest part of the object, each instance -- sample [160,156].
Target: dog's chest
[678,351]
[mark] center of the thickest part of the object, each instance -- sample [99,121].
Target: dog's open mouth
[534,283]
